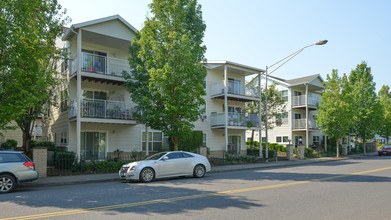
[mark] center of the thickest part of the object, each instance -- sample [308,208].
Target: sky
[259,33]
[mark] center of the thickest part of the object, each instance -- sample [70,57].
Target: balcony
[299,124]
[235,92]
[234,119]
[93,63]
[103,109]
[298,101]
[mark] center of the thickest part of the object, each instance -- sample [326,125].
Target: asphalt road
[349,189]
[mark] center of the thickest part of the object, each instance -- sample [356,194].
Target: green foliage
[167,72]
[49,145]
[255,143]
[97,166]
[28,34]
[384,98]
[9,144]
[65,159]
[367,111]
[334,115]
[191,141]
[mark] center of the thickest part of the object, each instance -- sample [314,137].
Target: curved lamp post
[283,61]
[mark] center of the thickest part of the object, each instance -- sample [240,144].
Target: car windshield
[155,156]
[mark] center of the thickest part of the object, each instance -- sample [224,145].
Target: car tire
[199,171]
[7,183]
[147,175]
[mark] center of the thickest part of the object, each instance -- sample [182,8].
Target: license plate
[384,152]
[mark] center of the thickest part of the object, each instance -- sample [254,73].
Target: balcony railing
[233,88]
[102,109]
[300,101]
[300,124]
[234,119]
[100,64]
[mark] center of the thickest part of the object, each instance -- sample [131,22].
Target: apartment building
[94,114]
[299,123]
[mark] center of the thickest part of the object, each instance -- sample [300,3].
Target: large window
[94,95]
[235,144]
[155,141]
[278,139]
[284,95]
[93,145]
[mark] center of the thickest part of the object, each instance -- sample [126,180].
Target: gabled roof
[97,21]
[302,80]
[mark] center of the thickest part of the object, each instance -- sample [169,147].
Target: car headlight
[132,168]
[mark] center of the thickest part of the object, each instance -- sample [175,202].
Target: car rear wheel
[147,175]
[7,183]
[199,171]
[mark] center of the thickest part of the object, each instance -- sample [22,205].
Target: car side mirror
[165,158]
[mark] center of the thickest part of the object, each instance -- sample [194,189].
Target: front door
[235,144]
[298,140]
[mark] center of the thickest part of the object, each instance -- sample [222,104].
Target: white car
[166,164]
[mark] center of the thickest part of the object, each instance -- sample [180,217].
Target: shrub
[9,144]
[191,141]
[65,159]
[255,143]
[49,145]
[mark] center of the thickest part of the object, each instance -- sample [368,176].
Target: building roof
[69,32]
[301,80]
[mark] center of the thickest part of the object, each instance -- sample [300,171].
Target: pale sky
[258,33]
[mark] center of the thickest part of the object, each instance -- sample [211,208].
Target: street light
[285,60]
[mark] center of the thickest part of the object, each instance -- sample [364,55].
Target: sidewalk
[91,178]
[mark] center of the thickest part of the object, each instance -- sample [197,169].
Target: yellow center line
[150,202]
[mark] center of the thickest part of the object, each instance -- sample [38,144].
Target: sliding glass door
[93,146]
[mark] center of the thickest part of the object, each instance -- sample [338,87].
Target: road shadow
[159,199]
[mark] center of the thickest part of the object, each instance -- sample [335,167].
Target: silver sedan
[166,164]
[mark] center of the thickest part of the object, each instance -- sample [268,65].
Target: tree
[27,60]
[334,112]
[167,73]
[367,111]
[276,106]
[384,98]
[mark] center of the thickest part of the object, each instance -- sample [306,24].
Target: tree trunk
[337,142]
[364,147]
[175,142]
[25,126]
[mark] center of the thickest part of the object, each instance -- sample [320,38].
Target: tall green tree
[367,111]
[276,105]
[335,109]
[384,98]
[167,73]
[28,53]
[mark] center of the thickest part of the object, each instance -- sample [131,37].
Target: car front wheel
[199,171]
[7,183]
[147,175]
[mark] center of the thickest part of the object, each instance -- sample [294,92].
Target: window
[155,141]
[64,138]
[296,93]
[93,146]
[285,139]
[94,95]
[278,139]
[284,95]
[203,139]
[233,86]
[263,139]
[176,155]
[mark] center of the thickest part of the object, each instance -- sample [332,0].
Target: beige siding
[113,28]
